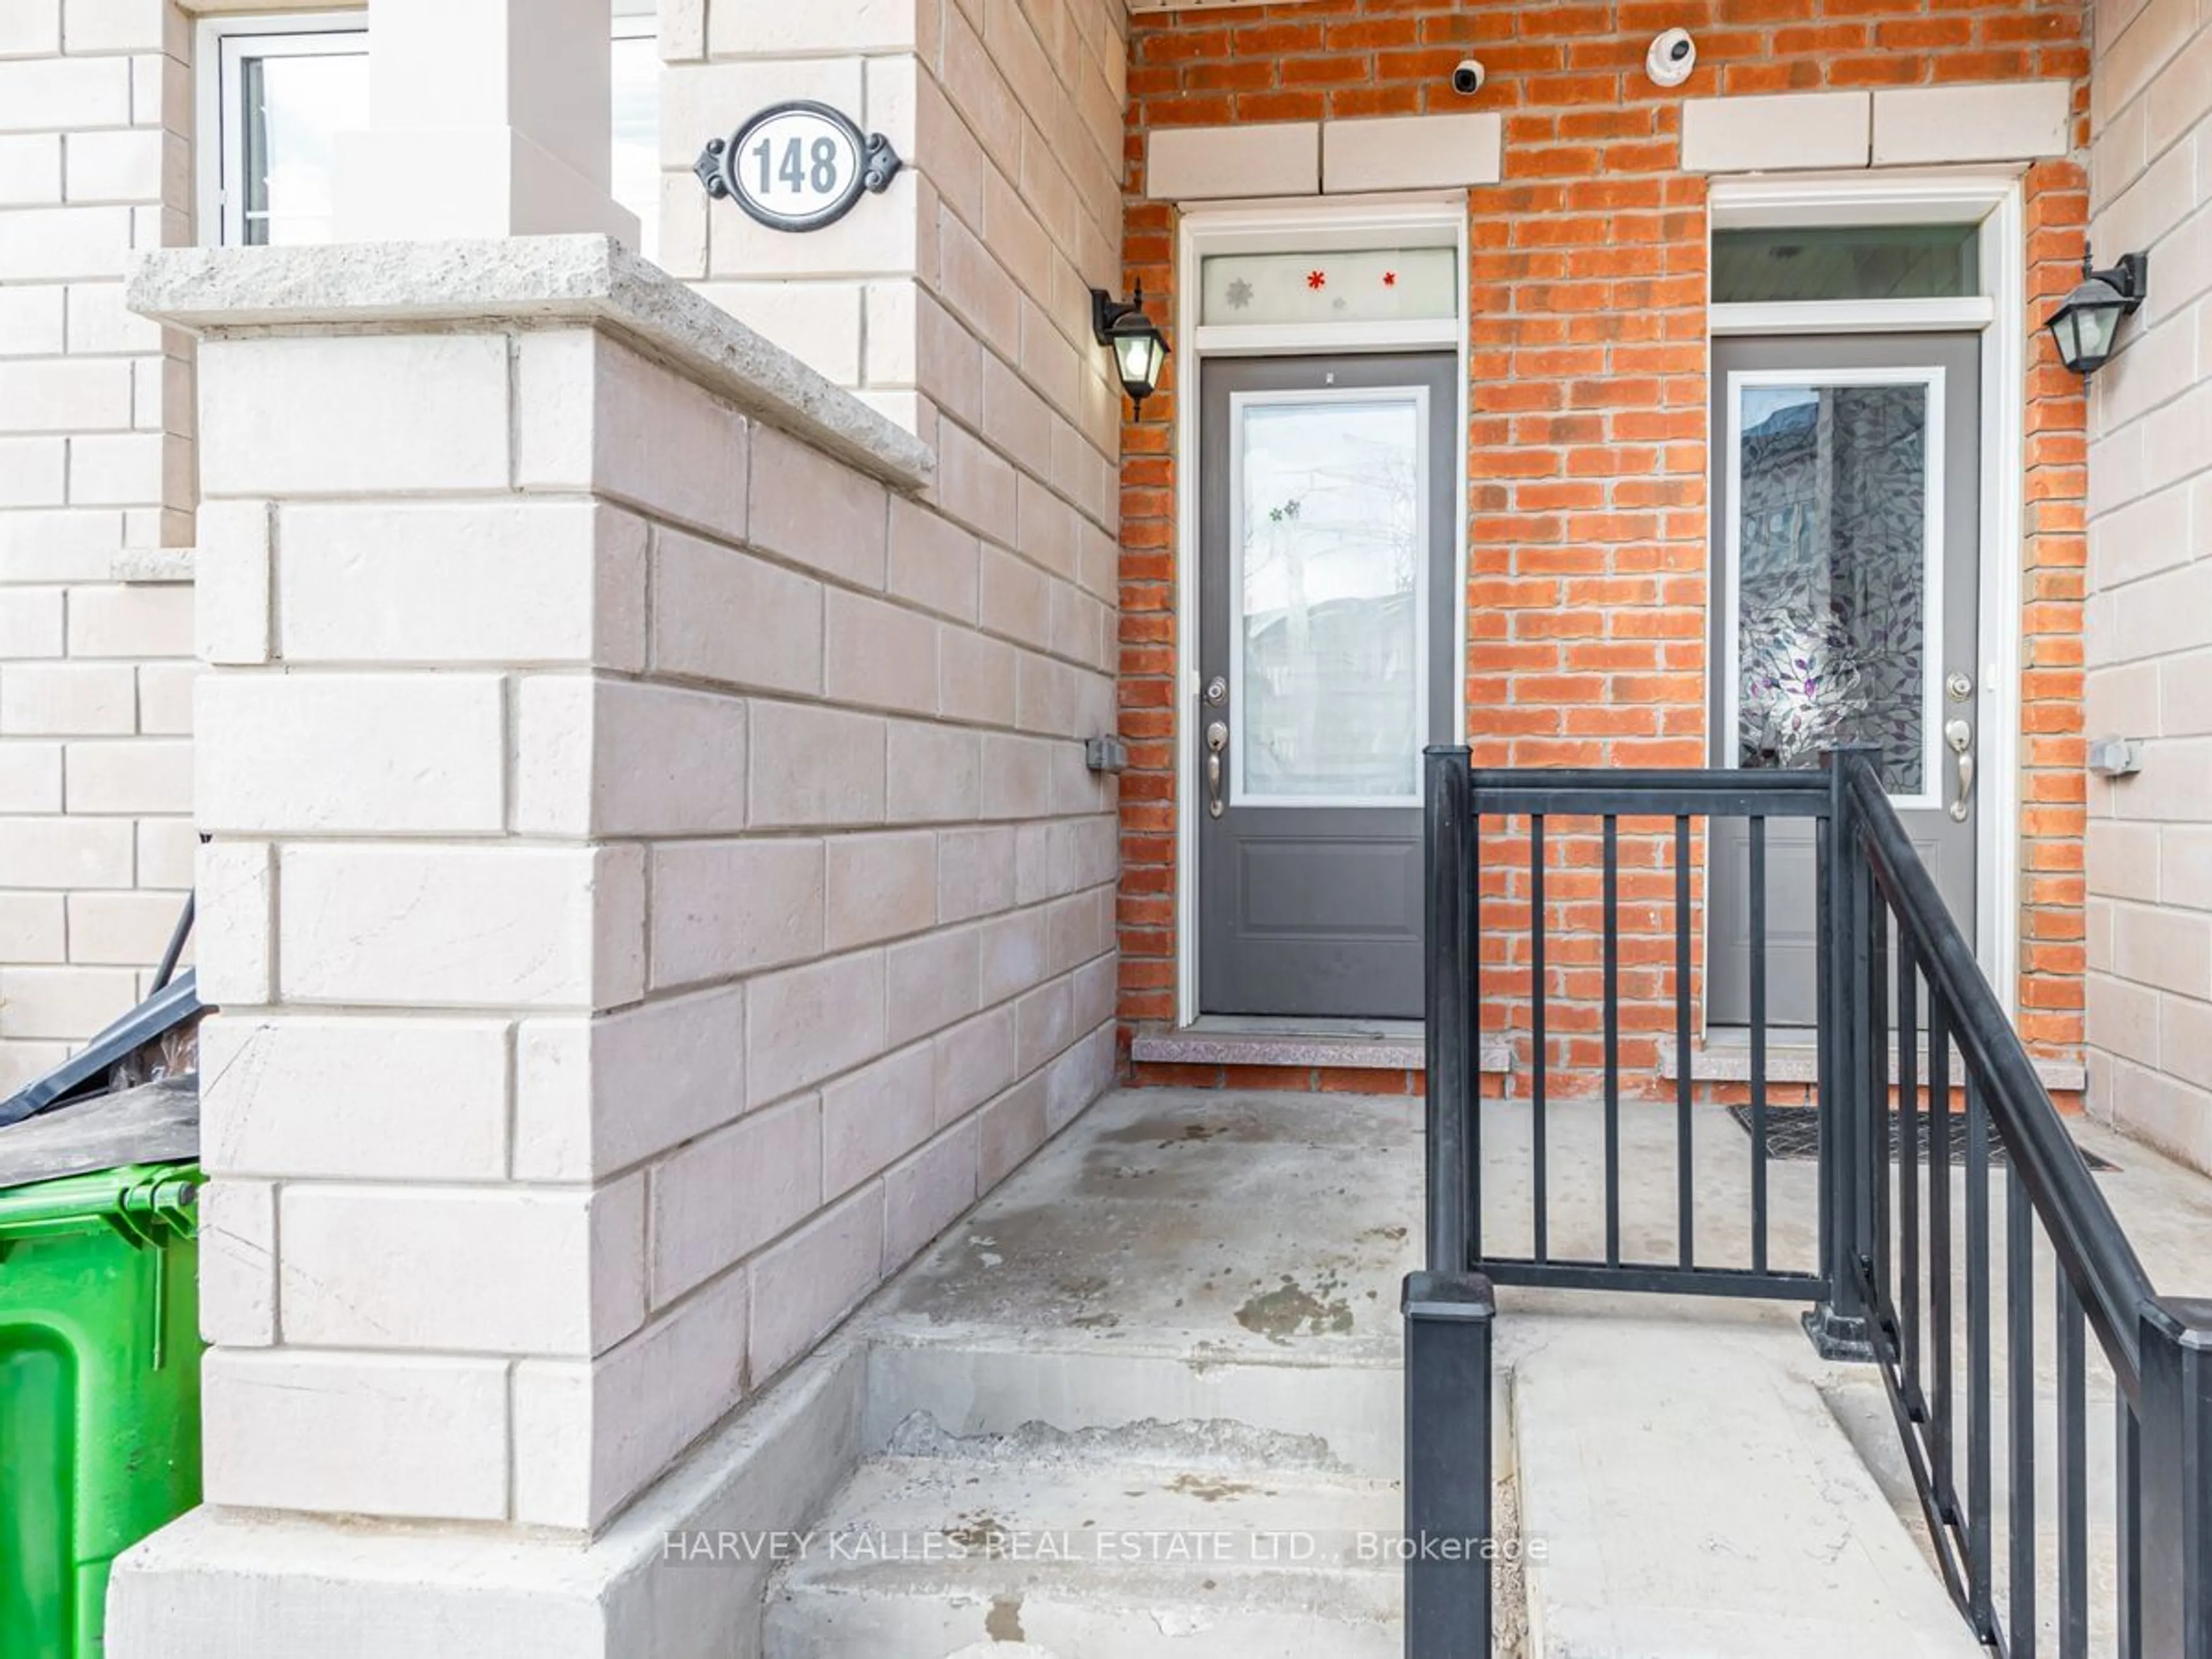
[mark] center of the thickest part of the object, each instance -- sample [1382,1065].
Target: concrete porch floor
[1183,1314]
[1178,1323]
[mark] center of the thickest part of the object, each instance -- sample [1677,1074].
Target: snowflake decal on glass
[1316,279]
[1239,294]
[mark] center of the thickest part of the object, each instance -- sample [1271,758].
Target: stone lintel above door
[1310,158]
[1894,126]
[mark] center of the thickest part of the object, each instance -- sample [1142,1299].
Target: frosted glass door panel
[1837,620]
[1329,660]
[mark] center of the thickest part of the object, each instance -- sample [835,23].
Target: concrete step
[976,1386]
[1211,1540]
[1686,1493]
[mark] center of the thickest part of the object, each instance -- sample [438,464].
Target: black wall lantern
[1139,351]
[2086,324]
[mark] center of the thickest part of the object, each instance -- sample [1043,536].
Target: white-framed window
[637,177]
[276,91]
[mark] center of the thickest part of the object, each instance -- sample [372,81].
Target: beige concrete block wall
[959,302]
[2149,624]
[619,980]
[816,294]
[96,434]
[1019,113]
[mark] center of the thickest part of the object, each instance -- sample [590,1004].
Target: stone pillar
[649,898]
[450,734]
[491,118]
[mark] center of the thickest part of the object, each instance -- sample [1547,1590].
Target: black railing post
[1448,1547]
[1837,1325]
[1450,979]
[1449,1310]
[2175,1535]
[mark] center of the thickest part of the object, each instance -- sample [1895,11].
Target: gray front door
[1846,596]
[1326,580]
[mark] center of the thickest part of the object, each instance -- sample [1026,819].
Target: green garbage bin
[99,1391]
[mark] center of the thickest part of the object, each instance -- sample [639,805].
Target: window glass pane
[637,132]
[294,103]
[1327,673]
[295,106]
[1387,285]
[1831,584]
[1857,262]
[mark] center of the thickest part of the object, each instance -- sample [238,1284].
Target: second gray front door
[1846,601]
[1328,489]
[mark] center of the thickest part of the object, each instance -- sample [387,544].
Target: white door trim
[1855,316]
[1994,198]
[1436,220]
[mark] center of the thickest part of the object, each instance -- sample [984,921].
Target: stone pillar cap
[537,282]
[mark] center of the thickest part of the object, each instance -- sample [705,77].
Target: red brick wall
[2054,789]
[1586,510]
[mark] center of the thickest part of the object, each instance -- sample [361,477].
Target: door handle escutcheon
[1217,739]
[1960,736]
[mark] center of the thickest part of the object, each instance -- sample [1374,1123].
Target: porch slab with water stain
[1233,1262]
[1207,1223]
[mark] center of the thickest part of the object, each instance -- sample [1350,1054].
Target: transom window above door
[1370,285]
[1846,261]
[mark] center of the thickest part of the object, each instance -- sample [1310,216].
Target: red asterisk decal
[1389,279]
[1316,279]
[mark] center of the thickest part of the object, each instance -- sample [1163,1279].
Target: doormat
[1794,1132]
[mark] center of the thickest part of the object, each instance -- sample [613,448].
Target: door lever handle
[1217,739]
[1960,736]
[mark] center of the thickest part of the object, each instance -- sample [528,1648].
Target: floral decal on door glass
[1383,285]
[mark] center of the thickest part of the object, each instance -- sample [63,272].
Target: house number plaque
[798,165]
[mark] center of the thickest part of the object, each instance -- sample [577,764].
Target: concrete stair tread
[1089,1555]
[1686,1493]
[1197,1342]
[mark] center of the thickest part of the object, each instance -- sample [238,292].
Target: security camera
[1672,56]
[1467,78]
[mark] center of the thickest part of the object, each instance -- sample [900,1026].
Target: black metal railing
[1528,812]
[1958,1321]
[1910,1264]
